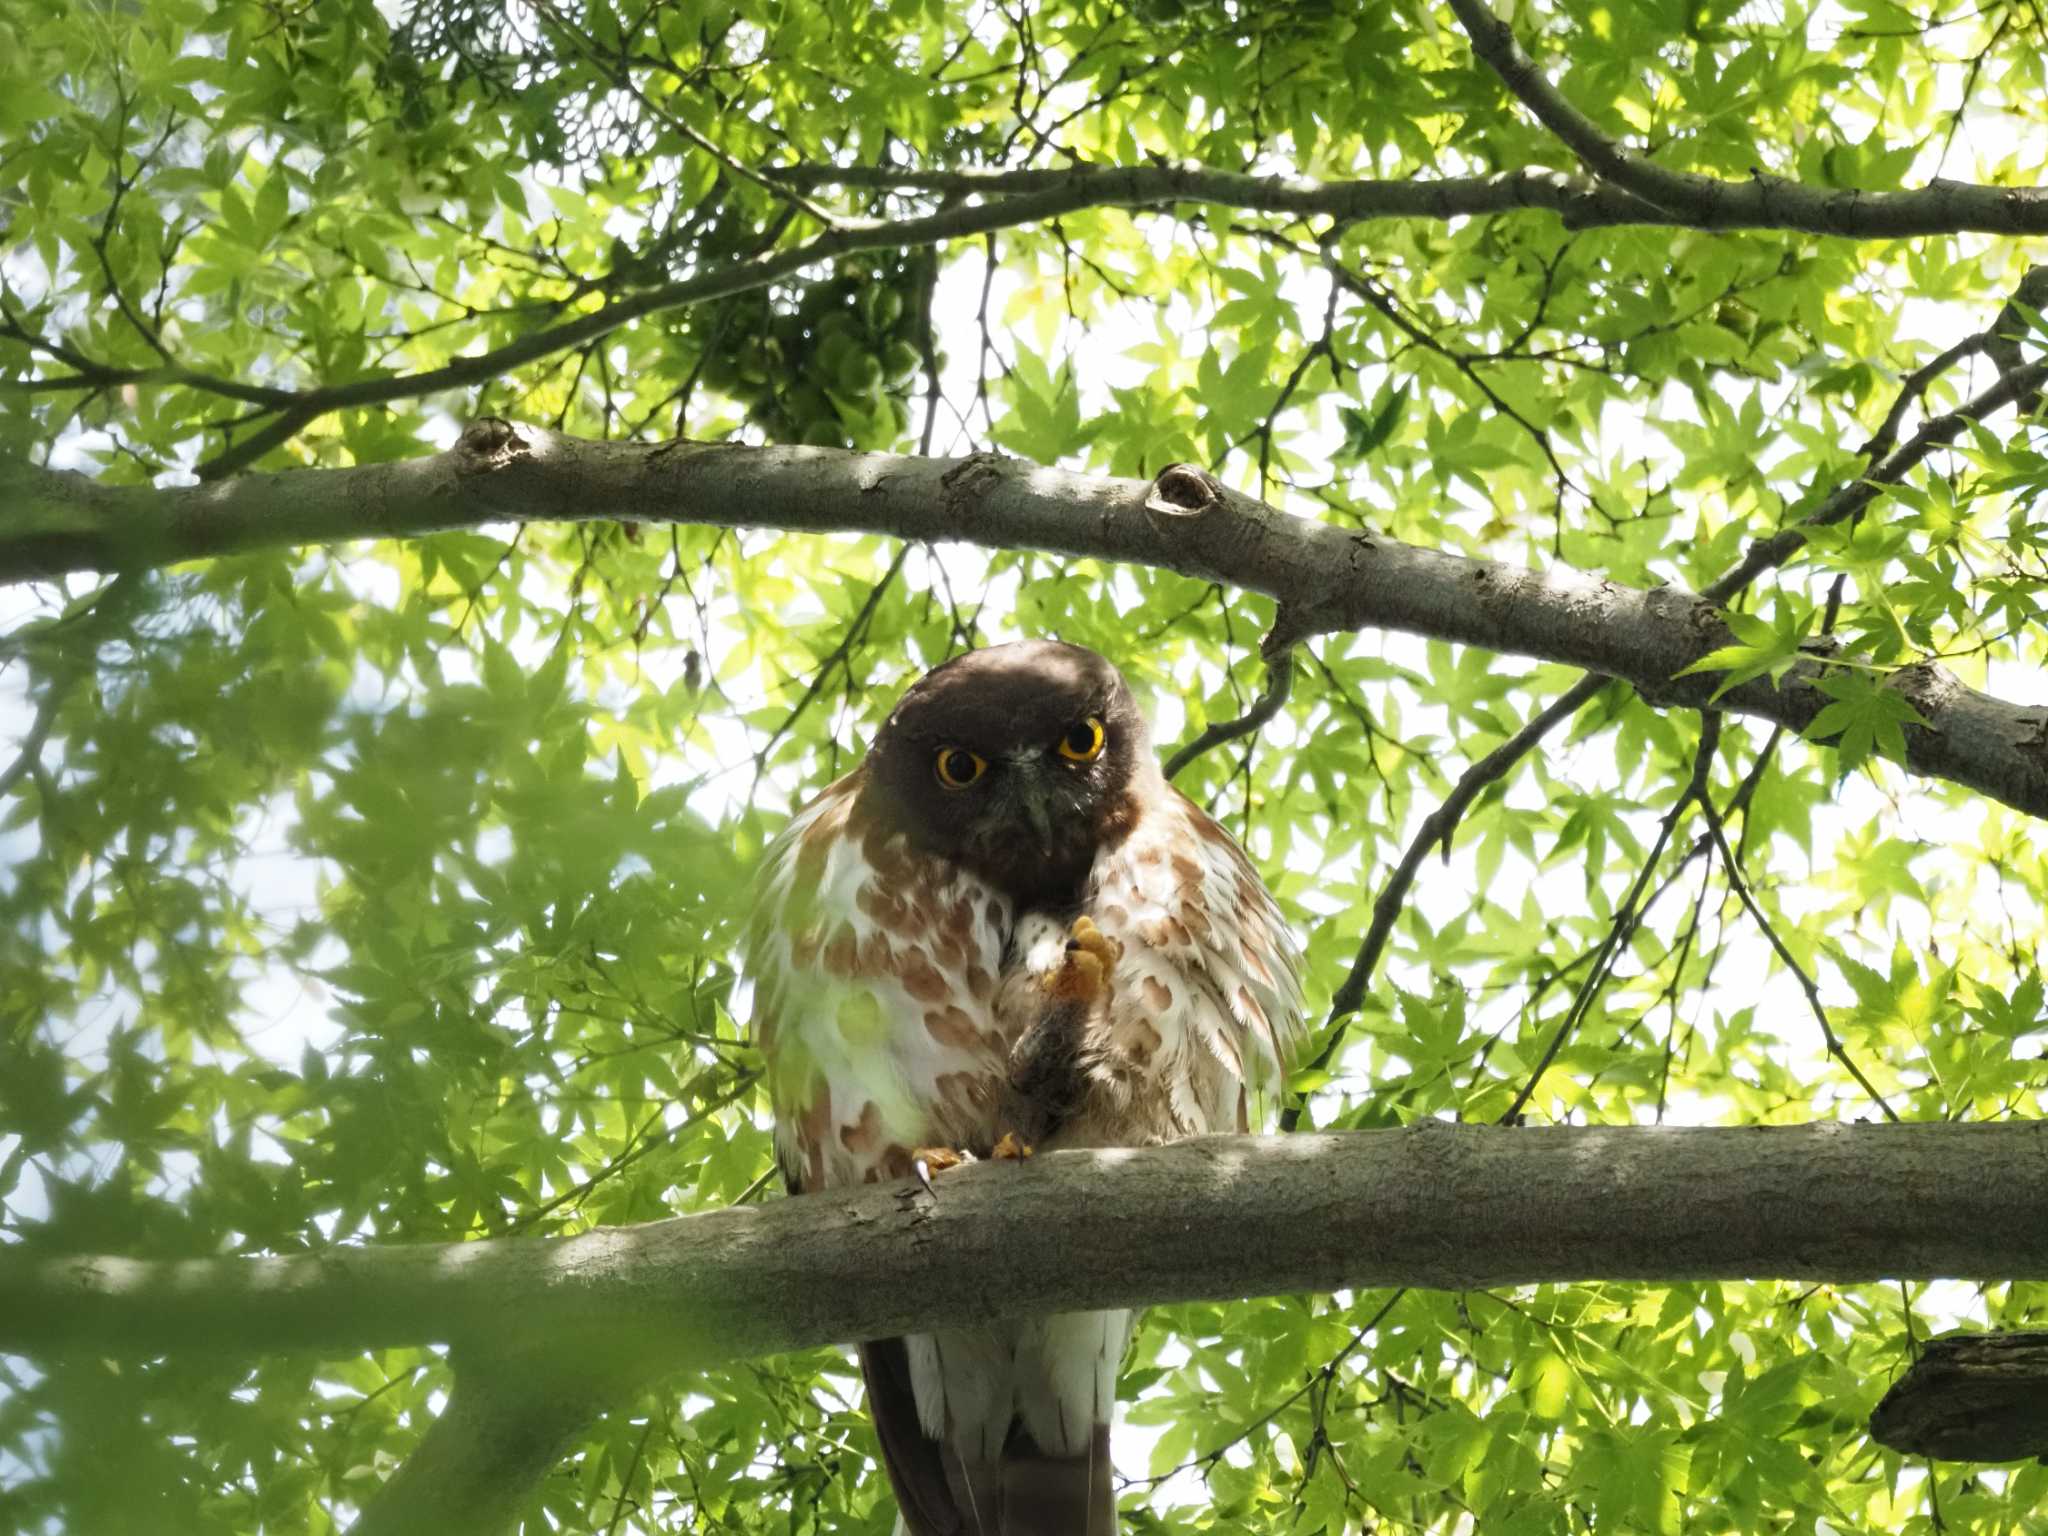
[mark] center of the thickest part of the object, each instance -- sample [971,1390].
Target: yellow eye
[957,767]
[1083,741]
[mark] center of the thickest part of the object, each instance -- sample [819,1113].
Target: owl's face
[1020,762]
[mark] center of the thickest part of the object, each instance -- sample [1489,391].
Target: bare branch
[1328,578]
[1454,1207]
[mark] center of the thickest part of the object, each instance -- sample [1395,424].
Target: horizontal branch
[1942,207]
[1112,187]
[998,200]
[1327,578]
[1454,1207]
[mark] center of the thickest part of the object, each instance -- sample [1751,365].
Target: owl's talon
[926,1161]
[1009,1148]
[1091,955]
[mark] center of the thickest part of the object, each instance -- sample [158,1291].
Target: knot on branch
[2035,742]
[971,480]
[491,442]
[1184,490]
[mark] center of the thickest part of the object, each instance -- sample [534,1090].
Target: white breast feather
[845,1006]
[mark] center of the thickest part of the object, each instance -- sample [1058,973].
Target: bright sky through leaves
[387,892]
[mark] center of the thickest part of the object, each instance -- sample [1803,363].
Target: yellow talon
[1009,1149]
[926,1161]
[1084,972]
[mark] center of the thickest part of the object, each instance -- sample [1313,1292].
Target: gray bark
[1970,1397]
[1326,578]
[548,1332]
[482,1459]
[1455,1207]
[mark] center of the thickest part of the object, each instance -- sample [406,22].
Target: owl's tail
[1023,1492]
[1058,1495]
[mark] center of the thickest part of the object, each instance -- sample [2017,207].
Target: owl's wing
[915,1462]
[874,973]
[1208,992]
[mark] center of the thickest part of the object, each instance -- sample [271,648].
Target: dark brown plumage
[1006,920]
[1034,822]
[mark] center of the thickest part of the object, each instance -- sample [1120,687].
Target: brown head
[1020,762]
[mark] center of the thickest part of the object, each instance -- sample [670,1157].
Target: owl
[1005,931]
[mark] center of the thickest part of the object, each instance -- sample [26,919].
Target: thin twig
[1436,830]
[1363,287]
[1625,920]
[1279,684]
[616,70]
[838,659]
[37,736]
[1853,496]
[1806,983]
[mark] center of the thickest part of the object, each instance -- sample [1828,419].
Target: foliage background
[388,892]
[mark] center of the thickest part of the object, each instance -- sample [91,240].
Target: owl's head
[1021,762]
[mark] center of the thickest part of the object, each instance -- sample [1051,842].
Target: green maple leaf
[1866,716]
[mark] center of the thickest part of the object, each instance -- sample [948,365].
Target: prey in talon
[1062,1006]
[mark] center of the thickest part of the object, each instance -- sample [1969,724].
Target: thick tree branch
[1455,1207]
[1329,578]
[1707,202]
[505,1425]
[1970,1397]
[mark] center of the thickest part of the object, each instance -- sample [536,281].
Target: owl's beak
[1033,800]
[1039,814]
